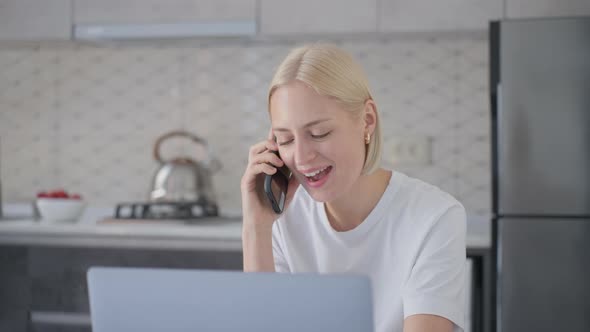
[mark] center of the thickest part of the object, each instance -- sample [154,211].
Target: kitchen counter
[221,233]
[209,234]
[41,260]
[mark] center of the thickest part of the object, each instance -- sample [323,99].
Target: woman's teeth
[315,173]
[318,175]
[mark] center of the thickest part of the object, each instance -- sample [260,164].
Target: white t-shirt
[412,247]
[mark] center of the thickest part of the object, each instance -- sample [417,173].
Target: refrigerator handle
[498,121]
[496,146]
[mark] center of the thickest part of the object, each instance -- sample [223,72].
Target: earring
[368,138]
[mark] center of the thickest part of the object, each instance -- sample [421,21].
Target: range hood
[226,28]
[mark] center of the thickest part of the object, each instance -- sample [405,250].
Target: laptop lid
[148,299]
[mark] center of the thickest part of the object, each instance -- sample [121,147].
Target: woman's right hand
[256,208]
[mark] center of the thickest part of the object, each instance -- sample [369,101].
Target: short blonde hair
[332,72]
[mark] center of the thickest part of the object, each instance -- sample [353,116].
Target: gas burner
[165,210]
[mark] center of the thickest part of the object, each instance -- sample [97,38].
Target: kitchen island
[43,277]
[222,234]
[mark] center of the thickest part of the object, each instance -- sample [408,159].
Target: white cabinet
[289,17]
[33,20]
[547,8]
[428,15]
[158,11]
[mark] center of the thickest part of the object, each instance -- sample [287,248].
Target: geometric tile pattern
[85,117]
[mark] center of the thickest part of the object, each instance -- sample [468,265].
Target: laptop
[149,299]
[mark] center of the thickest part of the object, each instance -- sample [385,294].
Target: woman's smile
[318,178]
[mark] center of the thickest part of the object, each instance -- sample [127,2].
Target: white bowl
[60,209]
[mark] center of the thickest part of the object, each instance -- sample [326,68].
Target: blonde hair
[332,72]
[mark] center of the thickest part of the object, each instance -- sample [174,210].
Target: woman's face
[319,141]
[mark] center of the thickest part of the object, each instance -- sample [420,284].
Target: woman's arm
[257,248]
[427,323]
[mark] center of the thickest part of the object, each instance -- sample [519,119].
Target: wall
[84,117]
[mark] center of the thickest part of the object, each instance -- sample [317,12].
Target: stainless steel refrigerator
[540,100]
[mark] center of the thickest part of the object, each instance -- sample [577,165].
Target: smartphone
[275,187]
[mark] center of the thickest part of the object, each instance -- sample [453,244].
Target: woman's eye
[321,136]
[285,142]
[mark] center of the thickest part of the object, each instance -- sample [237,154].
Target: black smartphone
[275,187]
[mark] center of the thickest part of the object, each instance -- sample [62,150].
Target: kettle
[183,179]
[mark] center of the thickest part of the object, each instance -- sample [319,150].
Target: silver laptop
[142,299]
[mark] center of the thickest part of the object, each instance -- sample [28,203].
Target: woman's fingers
[254,170]
[265,168]
[268,158]
[263,146]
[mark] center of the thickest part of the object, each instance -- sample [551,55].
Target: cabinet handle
[60,318]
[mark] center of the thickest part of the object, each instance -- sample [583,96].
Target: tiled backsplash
[85,117]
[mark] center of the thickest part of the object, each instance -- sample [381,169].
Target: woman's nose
[304,154]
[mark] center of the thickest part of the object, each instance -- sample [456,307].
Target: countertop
[219,233]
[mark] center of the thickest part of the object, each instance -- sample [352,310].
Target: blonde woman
[343,212]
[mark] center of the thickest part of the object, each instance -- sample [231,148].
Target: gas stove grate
[165,210]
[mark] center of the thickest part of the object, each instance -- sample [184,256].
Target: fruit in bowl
[59,206]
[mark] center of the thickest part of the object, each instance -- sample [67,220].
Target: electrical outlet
[410,150]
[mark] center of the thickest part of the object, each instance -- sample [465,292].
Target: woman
[343,213]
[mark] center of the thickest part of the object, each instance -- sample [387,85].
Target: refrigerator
[540,115]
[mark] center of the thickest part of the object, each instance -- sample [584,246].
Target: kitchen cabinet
[37,20]
[34,20]
[287,17]
[426,15]
[157,11]
[546,8]
[43,266]
[44,289]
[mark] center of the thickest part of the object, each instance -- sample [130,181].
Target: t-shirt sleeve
[437,280]
[277,249]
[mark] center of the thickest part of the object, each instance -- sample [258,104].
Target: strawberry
[60,193]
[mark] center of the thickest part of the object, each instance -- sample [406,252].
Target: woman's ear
[370,116]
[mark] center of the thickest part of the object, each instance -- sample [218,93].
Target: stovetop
[192,210]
